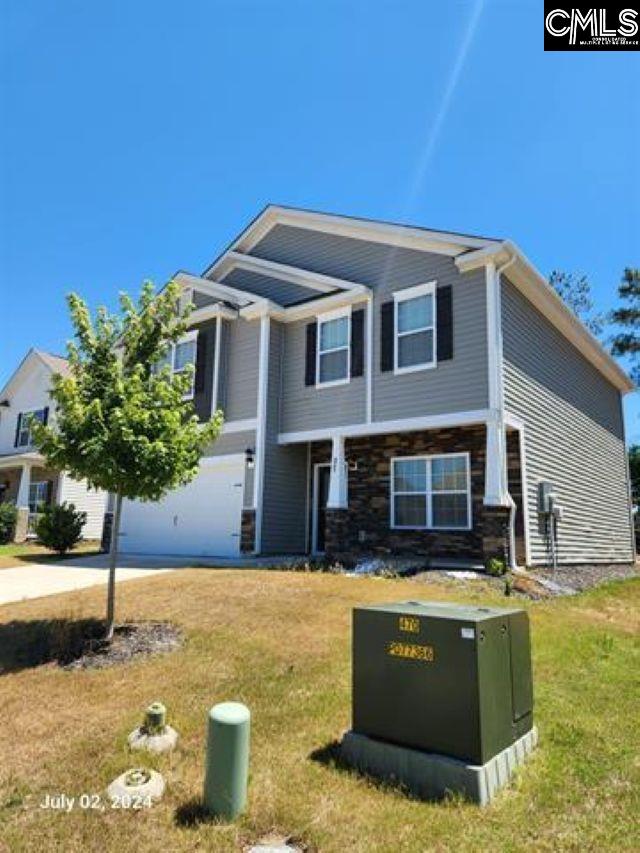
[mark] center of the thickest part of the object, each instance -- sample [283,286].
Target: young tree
[121,422]
[575,290]
[627,340]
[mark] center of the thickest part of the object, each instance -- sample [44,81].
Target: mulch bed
[131,640]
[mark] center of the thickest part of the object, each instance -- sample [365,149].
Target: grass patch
[14,554]
[280,642]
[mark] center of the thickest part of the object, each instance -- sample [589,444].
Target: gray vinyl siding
[232,443]
[241,344]
[460,384]
[285,472]
[306,407]
[282,292]
[574,436]
[456,385]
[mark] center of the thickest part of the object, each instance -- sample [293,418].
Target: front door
[321,491]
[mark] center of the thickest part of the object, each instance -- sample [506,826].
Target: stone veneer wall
[365,527]
[248,531]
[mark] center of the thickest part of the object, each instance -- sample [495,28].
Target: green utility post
[227,760]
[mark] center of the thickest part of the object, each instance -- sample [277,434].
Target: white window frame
[327,317]
[429,288]
[429,491]
[24,426]
[38,484]
[185,339]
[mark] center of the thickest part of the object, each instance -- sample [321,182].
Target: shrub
[60,527]
[496,567]
[8,518]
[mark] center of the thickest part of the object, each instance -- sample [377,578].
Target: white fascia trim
[261,427]
[18,459]
[246,425]
[215,288]
[263,308]
[308,309]
[453,419]
[442,243]
[284,272]
[211,312]
[533,285]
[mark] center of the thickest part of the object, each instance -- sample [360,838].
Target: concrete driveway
[39,579]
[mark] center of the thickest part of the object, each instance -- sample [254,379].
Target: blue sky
[139,138]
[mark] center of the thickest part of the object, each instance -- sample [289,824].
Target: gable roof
[55,363]
[468,251]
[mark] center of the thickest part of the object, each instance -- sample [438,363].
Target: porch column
[496,492]
[337,498]
[22,503]
[22,500]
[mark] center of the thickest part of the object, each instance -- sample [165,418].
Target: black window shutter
[49,496]
[357,342]
[201,361]
[45,415]
[444,323]
[386,335]
[310,361]
[18,425]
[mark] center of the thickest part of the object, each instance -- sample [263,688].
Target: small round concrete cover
[139,782]
[163,742]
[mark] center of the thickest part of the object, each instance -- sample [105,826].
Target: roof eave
[533,285]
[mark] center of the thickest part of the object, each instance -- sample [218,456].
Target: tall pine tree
[626,342]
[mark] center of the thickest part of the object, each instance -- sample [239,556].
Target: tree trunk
[113,559]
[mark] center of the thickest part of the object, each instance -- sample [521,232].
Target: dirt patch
[73,643]
[129,641]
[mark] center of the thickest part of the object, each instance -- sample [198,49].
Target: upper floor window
[25,420]
[431,492]
[415,328]
[334,346]
[179,355]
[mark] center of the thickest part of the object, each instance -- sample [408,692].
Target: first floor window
[38,494]
[431,492]
[334,339]
[178,356]
[24,431]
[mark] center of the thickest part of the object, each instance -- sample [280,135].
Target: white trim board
[261,428]
[532,284]
[454,419]
[439,242]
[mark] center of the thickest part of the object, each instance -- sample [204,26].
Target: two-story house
[24,478]
[393,390]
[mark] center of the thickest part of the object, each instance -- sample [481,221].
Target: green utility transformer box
[442,678]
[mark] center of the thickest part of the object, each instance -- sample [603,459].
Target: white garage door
[201,519]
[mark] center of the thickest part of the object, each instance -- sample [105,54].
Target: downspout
[512,504]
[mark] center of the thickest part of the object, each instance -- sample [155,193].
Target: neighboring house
[24,478]
[391,390]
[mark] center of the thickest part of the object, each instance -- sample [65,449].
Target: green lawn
[280,642]
[14,554]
